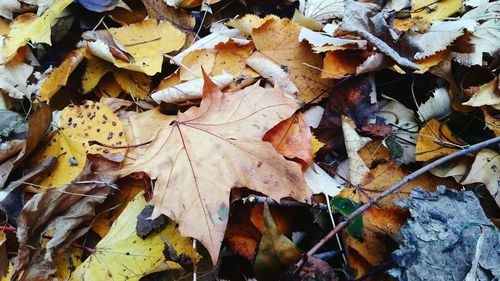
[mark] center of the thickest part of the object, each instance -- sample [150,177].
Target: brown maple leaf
[208,150]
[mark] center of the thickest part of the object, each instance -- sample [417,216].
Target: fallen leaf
[276,253]
[435,140]
[434,11]
[491,120]
[192,89]
[485,170]
[484,40]
[193,63]
[353,143]
[59,76]
[405,129]
[188,146]
[321,10]
[66,262]
[189,3]
[109,211]
[345,207]
[147,41]
[440,36]
[14,79]
[321,182]
[68,210]
[8,7]
[101,5]
[366,20]
[292,139]
[295,57]
[37,129]
[342,63]
[487,94]
[142,128]
[121,248]
[28,27]
[77,126]
[437,106]
[313,269]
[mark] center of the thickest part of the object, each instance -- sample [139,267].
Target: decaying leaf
[77,131]
[204,142]
[276,252]
[67,210]
[123,255]
[366,20]
[292,139]
[485,169]
[295,57]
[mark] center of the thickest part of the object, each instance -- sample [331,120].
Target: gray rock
[440,241]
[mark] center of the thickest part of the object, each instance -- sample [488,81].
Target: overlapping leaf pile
[130,129]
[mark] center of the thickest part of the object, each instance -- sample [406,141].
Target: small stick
[255,199]
[396,187]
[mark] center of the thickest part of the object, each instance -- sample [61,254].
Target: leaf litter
[176,140]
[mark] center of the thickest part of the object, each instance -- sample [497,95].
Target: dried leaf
[14,79]
[77,129]
[487,94]
[28,27]
[59,76]
[434,11]
[68,210]
[435,140]
[292,139]
[485,170]
[121,254]
[277,39]
[276,252]
[188,146]
[114,206]
[366,20]
[37,128]
[8,7]
[353,143]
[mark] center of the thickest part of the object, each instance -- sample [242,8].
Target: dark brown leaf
[69,210]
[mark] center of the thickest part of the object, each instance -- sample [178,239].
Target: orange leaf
[292,139]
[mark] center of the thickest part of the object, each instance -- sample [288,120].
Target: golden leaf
[122,255]
[70,141]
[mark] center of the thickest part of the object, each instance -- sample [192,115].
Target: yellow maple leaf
[28,27]
[122,255]
[146,42]
[70,140]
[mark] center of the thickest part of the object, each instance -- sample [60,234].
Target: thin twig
[255,199]
[396,187]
